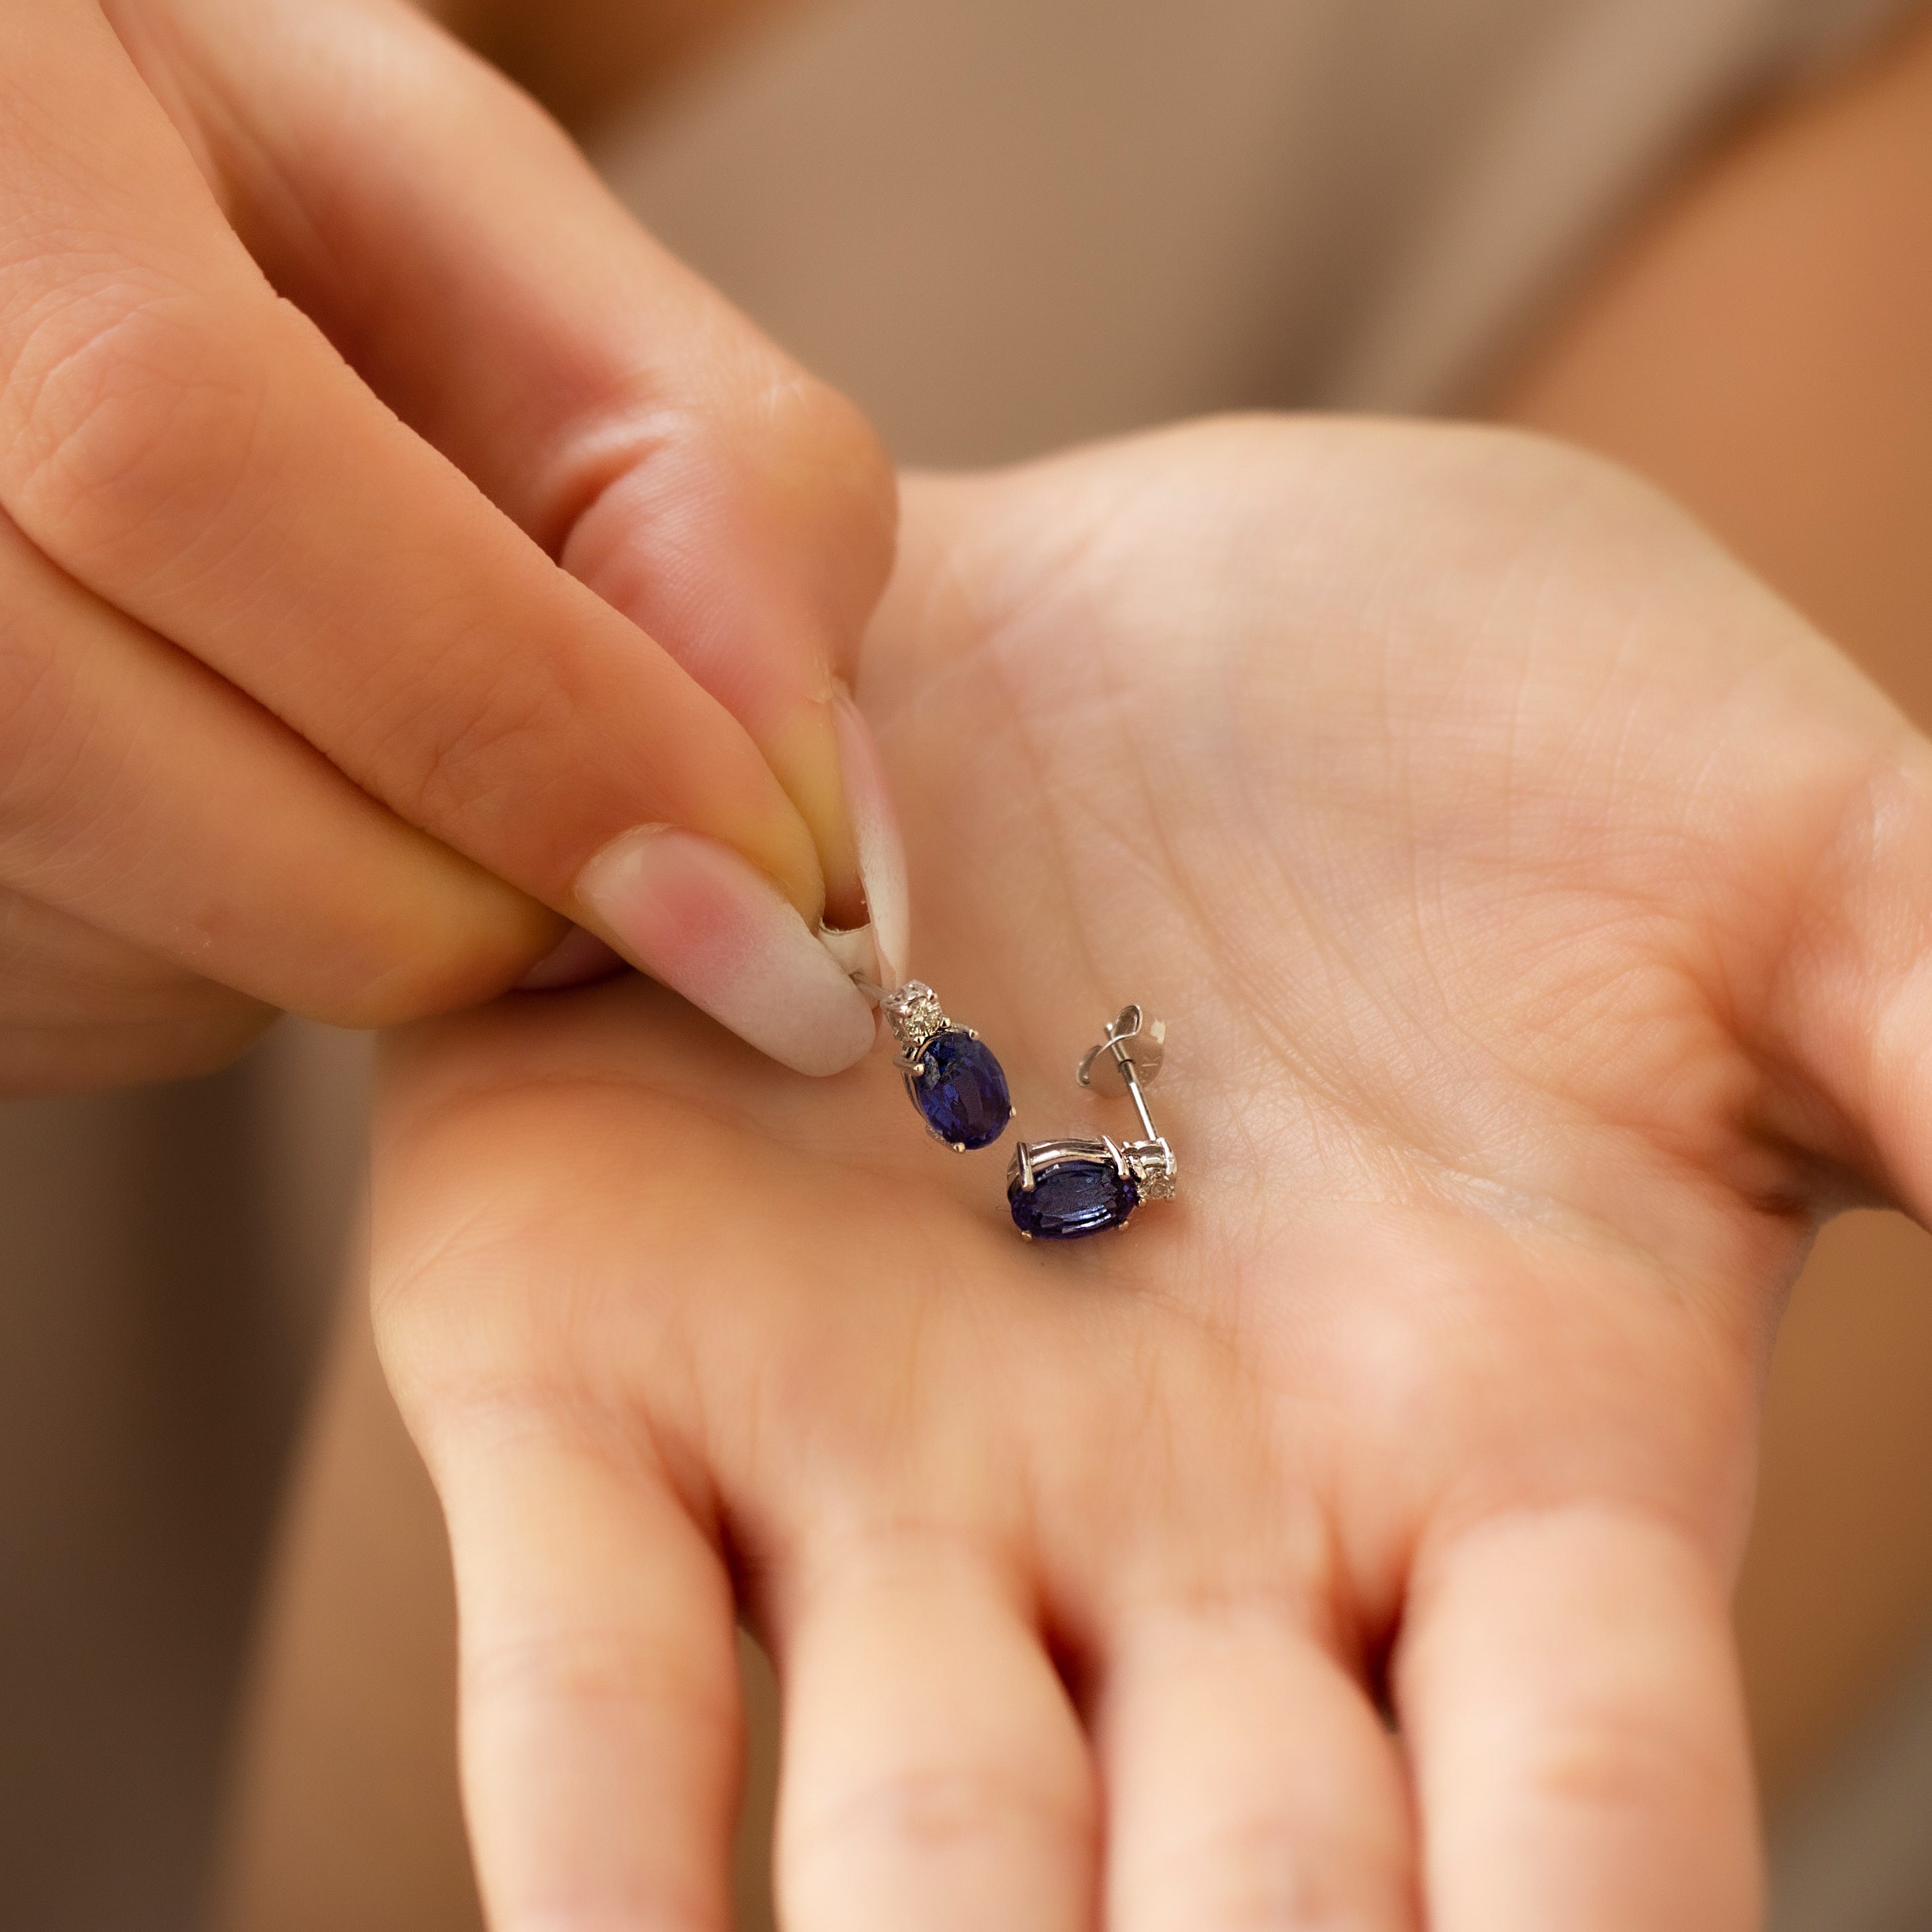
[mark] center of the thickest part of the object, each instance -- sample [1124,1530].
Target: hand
[1539,911]
[297,709]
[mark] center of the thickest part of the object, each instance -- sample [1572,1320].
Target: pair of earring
[1057,1190]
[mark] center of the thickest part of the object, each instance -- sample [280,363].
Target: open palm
[1536,908]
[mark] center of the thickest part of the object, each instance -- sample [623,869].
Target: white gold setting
[1128,1060]
[916,1017]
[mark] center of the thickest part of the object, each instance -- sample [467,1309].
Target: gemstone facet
[961,1088]
[1072,1198]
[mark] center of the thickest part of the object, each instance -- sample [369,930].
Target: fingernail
[709,924]
[805,754]
[876,839]
[576,959]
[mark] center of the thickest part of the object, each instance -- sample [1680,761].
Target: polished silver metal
[1128,1059]
[1030,1157]
[915,1015]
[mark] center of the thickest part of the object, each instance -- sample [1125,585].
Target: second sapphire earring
[952,1075]
[1065,1190]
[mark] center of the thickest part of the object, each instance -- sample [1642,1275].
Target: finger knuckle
[599,1670]
[127,424]
[470,1339]
[1600,1759]
[934,1814]
[437,1302]
[460,754]
[843,471]
[1254,1871]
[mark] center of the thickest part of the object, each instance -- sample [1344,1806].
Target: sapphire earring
[1065,1190]
[951,1075]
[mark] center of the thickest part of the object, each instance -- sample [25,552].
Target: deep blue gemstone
[1073,1198]
[961,1090]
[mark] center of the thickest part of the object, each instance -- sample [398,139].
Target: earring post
[1131,1075]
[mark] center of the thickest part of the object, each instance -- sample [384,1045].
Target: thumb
[1849,993]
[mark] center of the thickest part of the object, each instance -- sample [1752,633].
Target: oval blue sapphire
[1072,1198]
[961,1090]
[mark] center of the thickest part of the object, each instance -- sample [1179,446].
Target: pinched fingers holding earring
[423,743]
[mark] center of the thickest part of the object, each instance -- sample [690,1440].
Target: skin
[386,526]
[1757,345]
[1806,456]
[1538,908]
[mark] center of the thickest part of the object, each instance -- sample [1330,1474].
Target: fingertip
[455,936]
[697,915]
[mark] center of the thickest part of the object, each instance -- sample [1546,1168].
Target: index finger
[488,287]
